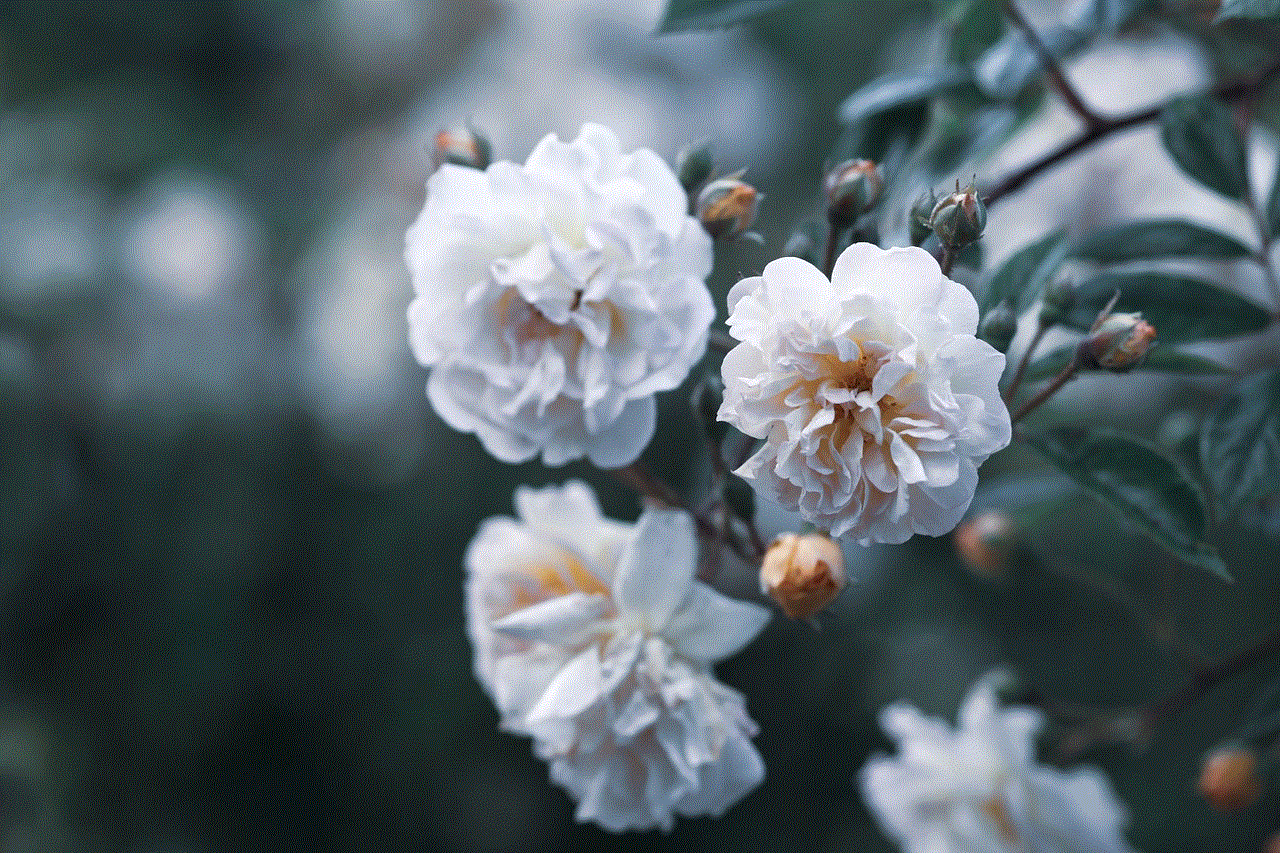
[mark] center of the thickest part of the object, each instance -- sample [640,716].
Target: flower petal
[655,573]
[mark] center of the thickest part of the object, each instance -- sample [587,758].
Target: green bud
[1119,345]
[1059,298]
[852,188]
[694,164]
[959,218]
[999,325]
[921,215]
[727,207]
[461,146]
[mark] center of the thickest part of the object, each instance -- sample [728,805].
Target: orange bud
[803,573]
[1229,779]
[984,543]
[727,207]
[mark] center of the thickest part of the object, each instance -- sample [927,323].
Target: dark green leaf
[1201,137]
[1260,725]
[1159,238]
[682,15]
[1159,360]
[898,90]
[1143,487]
[1182,309]
[1240,442]
[1248,9]
[1021,278]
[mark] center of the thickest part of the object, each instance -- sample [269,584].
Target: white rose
[977,788]
[875,400]
[593,638]
[554,299]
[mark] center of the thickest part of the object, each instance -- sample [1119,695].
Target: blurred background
[232,528]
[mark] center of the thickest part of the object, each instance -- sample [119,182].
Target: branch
[1106,127]
[1209,677]
[1048,391]
[1052,69]
[1012,390]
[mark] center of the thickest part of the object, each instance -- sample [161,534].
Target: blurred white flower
[554,299]
[875,400]
[977,788]
[593,637]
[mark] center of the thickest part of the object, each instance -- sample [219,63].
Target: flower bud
[1120,344]
[727,207]
[803,573]
[1273,844]
[959,218]
[694,164]
[852,188]
[1229,779]
[999,325]
[985,542]
[1059,298]
[921,216]
[462,147]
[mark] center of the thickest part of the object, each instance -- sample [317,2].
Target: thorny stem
[1106,127]
[1051,67]
[1014,383]
[1048,391]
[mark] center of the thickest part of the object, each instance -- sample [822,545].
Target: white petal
[711,627]
[623,441]
[574,688]
[656,572]
[556,620]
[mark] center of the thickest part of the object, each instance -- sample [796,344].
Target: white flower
[977,788]
[554,299]
[593,637]
[875,400]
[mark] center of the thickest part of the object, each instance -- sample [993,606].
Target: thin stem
[1052,69]
[1048,391]
[1014,384]
[1106,127]
[1208,677]
[833,240]
[948,259]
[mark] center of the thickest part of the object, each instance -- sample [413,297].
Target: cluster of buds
[1119,344]
[1229,779]
[803,573]
[852,188]
[461,146]
[959,218]
[985,543]
[727,206]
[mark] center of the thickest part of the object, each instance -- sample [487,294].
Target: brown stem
[833,240]
[1052,69]
[1106,127]
[1014,383]
[1209,677]
[948,260]
[1048,391]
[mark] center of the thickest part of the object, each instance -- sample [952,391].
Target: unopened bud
[803,573]
[1229,779]
[694,164]
[921,216]
[852,188]
[462,147]
[985,542]
[1059,298]
[1273,844]
[1120,344]
[959,218]
[999,325]
[727,207]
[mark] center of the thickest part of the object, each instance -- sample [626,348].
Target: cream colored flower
[977,789]
[594,639]
[554,299]
[874,398]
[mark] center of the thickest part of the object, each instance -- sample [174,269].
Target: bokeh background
[231,528]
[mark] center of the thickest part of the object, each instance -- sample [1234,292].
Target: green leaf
[1248,9]
[1273,205]
[1260,725]
[684,15]
[1201,137]
[1181,308]
[1159,360]
[1240,442]
[1142,486]
[1021,278]
[899,90]
[1159,238]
